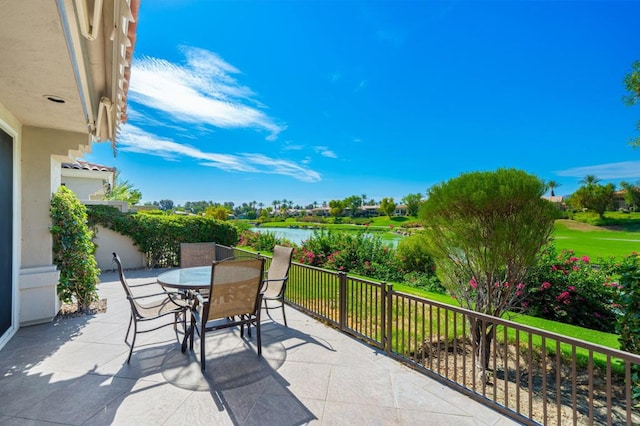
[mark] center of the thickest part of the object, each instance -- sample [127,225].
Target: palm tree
[589,180]
[552,185]
[364,199]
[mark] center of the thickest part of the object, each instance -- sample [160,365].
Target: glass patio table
[183,279]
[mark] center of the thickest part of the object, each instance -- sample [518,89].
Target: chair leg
[202,360]
[258,336]
[192,332]
[135,333]
[284,316]
[128,328]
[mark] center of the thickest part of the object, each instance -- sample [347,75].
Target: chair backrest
[279,269]
[197,254]
[235,286]
[125,284]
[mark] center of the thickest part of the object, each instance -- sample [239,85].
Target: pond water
[298,235]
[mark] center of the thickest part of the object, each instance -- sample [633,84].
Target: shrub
[569,289]
[424,281]
[73,250]
[361,254]
[627,300]
[414,255]
[262,241]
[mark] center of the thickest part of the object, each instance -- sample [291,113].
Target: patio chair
[197,254]
[148,307]
[234,300]
[275,282]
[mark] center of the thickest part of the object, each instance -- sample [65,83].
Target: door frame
[17,195]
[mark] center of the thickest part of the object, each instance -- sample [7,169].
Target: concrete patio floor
[73,371]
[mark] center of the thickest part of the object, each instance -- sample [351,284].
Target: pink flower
[546,285]
[563,297]
[524,304]
[571,288]
[520,286]
[554,268]
[585,259]
[573,259]
[473,283]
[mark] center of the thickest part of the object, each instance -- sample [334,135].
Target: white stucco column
[41,151]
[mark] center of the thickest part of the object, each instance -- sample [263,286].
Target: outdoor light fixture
[54,98]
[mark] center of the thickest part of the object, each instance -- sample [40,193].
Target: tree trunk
[482,339]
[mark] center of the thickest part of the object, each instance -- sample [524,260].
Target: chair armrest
[265,283]
[144,284]
[164,293]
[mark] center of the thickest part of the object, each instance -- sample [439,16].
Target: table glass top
[197,277]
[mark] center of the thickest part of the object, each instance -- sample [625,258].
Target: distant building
[90,182]
[558,200]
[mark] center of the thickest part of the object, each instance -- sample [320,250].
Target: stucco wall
[108,242]
[40,178]
[85,189]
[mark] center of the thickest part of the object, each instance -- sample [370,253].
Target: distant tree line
[352,206]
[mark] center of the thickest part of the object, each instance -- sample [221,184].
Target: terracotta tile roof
[83,165]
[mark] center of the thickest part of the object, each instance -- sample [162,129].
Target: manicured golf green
[592,241]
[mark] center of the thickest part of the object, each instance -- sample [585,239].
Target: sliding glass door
[6,231]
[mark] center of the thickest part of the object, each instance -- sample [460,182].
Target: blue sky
[318,100]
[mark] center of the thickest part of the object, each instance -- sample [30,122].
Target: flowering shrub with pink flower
[361,254]
[570,289]
[627,302]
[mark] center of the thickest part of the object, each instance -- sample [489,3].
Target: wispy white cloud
[204,90]
[361,85]
[135,139]
[621,170]
[293,147]
[325,151]
[335,76]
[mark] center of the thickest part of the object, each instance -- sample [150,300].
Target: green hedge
[159,236]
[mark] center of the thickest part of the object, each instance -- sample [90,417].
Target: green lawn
[587,240]
[605,339]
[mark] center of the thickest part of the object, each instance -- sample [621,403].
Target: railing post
[383,317]
[387,315]
[342,276]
